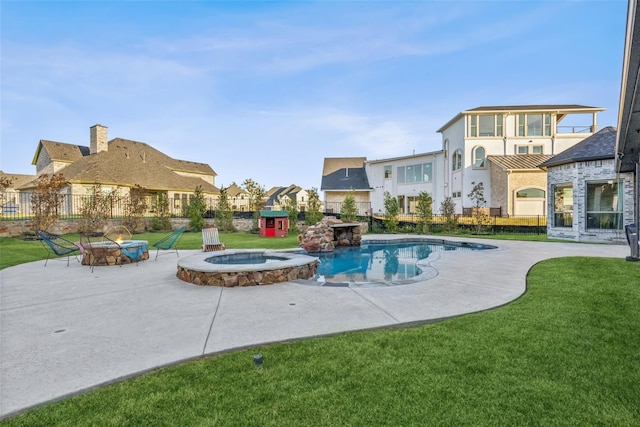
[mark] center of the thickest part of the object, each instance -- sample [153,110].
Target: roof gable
[332,164]
[60,151]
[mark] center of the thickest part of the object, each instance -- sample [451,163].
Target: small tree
[391,211]
[96,209]
[224,213]
[448,211]
[46,200]
[348,210]
[135,207]
[256,199]
[292,212]
[424,207]
[196,209]
[161,221]
[313,214]
[478,211]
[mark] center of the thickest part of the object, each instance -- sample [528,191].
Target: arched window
[456,160]
[478,157]
[530,193]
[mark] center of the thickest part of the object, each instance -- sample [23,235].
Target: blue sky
[266,90]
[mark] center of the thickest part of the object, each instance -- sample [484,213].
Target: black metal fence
[18,206]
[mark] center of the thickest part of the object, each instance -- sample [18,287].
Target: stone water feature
[330,233]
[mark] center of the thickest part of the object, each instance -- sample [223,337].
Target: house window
[427,172]
[456,162]
[387,172]
[415,173]
[529,149]
[530,193]
[563,205]
[485,125]
[456,194]
[176,201]
[604,205]
[534,124]
[478,157]
[401,175]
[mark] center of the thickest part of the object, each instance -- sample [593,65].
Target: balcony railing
[573,129]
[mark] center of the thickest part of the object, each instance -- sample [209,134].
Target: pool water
[383,262]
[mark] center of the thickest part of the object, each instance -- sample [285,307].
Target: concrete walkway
[64,330]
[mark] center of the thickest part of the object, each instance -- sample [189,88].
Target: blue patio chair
[58,246]
[169,242]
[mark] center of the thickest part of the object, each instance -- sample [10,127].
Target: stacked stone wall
[578,174]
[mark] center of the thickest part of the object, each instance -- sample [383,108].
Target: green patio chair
[169,242]
[58,246]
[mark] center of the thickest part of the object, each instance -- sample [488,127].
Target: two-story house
[119,165]
[501,147]
[278,197]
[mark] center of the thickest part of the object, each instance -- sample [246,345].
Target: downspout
[635,249]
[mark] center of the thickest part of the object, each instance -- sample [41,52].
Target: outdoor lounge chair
[58,246]
[211,240]
[169,242]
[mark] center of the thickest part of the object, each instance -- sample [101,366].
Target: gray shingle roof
[346,179]
[599,146]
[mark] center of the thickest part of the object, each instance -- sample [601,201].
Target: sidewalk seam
[213,319]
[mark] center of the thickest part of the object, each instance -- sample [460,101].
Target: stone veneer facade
[579,174]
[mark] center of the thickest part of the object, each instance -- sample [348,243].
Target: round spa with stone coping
[245,267]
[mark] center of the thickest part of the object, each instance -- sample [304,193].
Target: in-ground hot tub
[245,267]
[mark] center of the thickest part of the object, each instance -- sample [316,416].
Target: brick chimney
[98,139]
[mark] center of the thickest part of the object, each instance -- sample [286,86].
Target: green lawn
[565,354]
[14,251]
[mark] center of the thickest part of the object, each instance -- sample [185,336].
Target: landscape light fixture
[258,360]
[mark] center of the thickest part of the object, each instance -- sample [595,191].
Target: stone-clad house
[121,164]
[588,199]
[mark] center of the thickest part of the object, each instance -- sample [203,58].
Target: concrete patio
[65,330]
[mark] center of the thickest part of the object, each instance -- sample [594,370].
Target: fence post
[538,227]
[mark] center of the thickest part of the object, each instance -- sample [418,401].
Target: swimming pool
[384,262]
